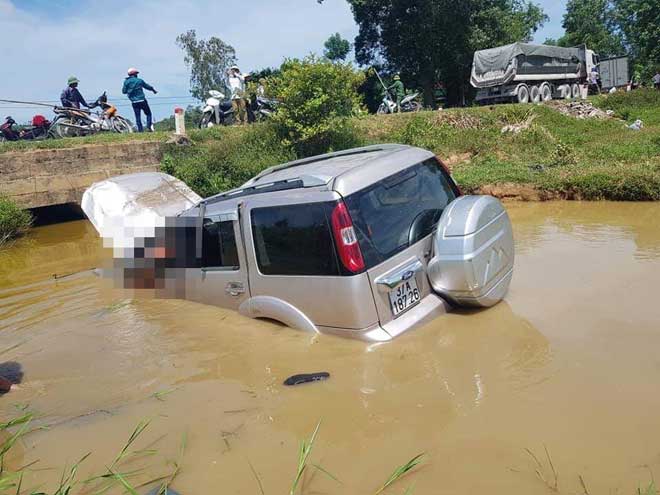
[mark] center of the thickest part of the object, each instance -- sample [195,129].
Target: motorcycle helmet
[234,67]
[132,71]
[397,77]
[72,80]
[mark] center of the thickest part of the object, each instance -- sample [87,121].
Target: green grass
[14,221]
[104,138]
[557,154]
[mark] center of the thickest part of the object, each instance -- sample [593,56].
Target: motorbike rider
[70,96]
[134,88]
[236,83]
[398,91]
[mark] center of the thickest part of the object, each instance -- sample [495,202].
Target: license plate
[404,296]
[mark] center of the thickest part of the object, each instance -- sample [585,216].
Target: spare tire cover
[473,252]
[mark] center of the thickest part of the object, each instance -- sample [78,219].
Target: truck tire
[575,90]
[523,94]
[535,94]
[565,91]
[546,92]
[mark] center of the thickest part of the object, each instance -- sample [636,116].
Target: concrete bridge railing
[48,177]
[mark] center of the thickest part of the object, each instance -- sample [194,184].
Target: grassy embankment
[557,156]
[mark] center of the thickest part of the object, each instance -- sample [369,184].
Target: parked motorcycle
[408,104]
[71,122]
[218,111]
[38,130]
[262,108]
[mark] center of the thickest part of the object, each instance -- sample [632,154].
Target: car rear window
[295,240]
[399,210]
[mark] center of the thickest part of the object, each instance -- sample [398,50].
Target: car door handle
[234,288]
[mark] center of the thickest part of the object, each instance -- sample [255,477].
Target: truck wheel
[565,91]
[523,94]
[535,94]
[546,92]
[575,90]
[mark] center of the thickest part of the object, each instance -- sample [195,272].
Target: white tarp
[128,206]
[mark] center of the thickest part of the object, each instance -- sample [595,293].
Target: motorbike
[218,111]
[262,108]
[71,122]
[38,130]
[408,104]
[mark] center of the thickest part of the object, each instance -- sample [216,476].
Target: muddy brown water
[569,361]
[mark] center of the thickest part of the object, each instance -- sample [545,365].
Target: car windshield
[399,210]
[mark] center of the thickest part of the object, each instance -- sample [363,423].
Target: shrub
[316,98]
[226,157]
[14,221]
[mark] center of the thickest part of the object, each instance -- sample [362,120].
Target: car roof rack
[280,185]
[328,156]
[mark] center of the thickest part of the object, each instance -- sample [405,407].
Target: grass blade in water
[401,471]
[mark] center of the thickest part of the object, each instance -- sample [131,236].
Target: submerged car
[366,243]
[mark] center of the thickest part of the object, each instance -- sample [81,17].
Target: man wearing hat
[236,83]
[398,91]
[71,97]
[134,88]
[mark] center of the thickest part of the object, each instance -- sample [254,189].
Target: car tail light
[346,240]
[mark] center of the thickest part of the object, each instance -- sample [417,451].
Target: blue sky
[97,40]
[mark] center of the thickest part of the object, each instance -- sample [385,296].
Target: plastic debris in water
[306,378]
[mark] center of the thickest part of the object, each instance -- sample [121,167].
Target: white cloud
[98,44]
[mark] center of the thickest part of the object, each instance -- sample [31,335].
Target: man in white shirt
[656,80]
[236,82]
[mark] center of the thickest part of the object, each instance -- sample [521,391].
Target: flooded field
[570,361]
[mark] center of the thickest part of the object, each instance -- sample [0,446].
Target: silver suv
[365,243]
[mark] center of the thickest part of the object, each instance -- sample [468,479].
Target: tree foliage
[316,97]
[208,61]
[336,47]
[432,40]
[592,22]
[639,21]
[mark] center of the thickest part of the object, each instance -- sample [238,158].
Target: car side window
[294,240]
[219,249]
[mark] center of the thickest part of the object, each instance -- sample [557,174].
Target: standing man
[398,91]
[70,96]
[656,80]
[236,82]
[134,87]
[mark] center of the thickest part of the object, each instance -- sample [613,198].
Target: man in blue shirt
[134,87]
[71,97]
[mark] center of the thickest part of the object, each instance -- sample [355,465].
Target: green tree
[316,98]
[431,40]
[208,61]
[592,22]
[336,47]
[639,20]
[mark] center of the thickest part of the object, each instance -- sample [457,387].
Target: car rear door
[394,220]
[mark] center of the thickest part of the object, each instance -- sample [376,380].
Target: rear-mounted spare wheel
[473,252]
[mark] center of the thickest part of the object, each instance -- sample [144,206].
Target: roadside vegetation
[14,221]
[552,156]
